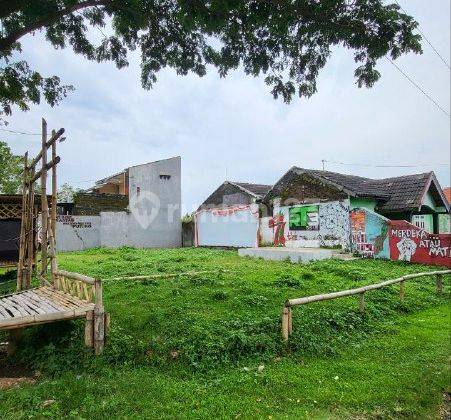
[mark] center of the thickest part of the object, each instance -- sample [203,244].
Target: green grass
[191,346]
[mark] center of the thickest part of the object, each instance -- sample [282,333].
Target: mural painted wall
[312,225]
[236,226]
[369,233]
[409,243]
[375,236]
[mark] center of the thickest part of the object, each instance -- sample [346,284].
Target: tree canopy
[289,41]
[11,167]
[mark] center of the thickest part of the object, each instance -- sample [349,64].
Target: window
[165,177]
[304,218]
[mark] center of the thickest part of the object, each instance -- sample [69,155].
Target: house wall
[331,229]
[75,233]
[153,219]
[369,233]
[423,221]
[155,204]
[409,243]
[399,240]
[233,226]
[266,231]
[363,203]
[444,223]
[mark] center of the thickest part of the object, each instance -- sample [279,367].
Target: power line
[25,133]
[427,40]
[419,87]
[383,166]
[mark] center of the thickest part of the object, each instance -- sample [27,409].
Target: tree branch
[7,42]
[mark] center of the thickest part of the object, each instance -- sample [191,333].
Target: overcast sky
[233,129]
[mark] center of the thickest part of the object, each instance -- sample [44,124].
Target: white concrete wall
[75,233]
[233,226]
[154,219]
[113,229]
[266,232]
[155,204]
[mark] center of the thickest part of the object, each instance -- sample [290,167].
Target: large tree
[287,40]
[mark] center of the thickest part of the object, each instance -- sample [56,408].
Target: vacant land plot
[208,344]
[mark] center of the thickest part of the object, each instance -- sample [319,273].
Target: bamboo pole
[286,313]
[78,277]
[285,323]
[439,283]
[350,292]
[52,140]
[44,204]
[54,263]
[31,227]
[362,303]
[89,329]
[20,266]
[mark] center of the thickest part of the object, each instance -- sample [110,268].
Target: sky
[233,129]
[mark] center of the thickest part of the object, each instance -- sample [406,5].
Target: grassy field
[208,345]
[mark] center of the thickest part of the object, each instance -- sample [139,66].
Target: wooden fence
[287,325]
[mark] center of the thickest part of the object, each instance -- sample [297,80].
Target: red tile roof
[447,192]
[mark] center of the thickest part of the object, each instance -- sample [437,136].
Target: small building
[140,207]
[230,216]
[315,205]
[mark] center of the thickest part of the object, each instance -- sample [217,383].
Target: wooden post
[401,290]
[53,210]
[290,321]
[439,283]
[14,337]
[362,303]
[22,242]
[99,319]
[44,204]
[31,227]
[89,329]
[285,323]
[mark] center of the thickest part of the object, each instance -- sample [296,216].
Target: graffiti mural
[304,218]
[369,232]
[334,223]
[278,224]
[313,225]
[375,236]
[410,243]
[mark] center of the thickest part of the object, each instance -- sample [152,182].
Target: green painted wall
[429,201]
[424,221]
[363,203]
[444,223]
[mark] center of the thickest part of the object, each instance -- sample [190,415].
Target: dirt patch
[445,408]
[13,374]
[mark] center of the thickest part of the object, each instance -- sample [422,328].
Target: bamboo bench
[71,296]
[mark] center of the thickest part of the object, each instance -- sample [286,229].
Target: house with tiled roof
[314,206]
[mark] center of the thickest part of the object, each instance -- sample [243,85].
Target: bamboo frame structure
[67,295]
[28,234]
[287,309]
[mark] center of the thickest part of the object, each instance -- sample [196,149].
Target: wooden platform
[40,305]
[71,296]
